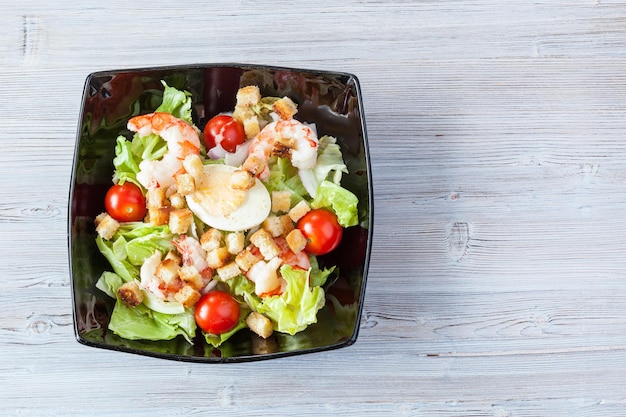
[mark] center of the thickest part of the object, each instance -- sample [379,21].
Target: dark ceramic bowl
[331,100]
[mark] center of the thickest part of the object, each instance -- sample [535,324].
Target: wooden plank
[496,285]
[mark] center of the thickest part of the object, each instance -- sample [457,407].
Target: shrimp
[181,138]
[287,256]
[265,275]
[147,273]
[193,255]
[284,138]
[267,280]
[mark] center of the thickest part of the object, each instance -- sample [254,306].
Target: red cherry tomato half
[217,312]
[323,231]
[125,203]
[224,130]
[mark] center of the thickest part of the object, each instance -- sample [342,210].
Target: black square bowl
[331,100]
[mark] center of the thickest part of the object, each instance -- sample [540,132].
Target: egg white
[252,212]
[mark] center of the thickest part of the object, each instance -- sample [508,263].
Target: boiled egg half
[220,206]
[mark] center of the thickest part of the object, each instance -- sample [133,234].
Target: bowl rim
[248,357]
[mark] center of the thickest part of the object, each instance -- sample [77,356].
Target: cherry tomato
[217,312]
[323,231]
[125,203]
[224,130]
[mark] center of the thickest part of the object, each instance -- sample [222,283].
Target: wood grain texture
[497,130]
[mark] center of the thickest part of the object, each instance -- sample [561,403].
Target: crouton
[218,257]
[273,225]
[106,226]
[260,324]
[100,217]
[185,184]
[245,259]
[211,239]
[228,271]
[299,210]
[167,270]
[156,198]
[285,108]
[287,223]
[251,126]
[190,276]
[248,96]
[254,164]
[281,201]
[180,220]
[159,216]
[235,242]
[194,166]
[263,240]
[241,180]
[187,296]
[296,240]
[174,256]
[130,294]
[283,147]
[178,201]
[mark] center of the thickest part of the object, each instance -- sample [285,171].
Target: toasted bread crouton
[190,276]
[241,180]
[299,210]
[263,240]
[167,270]
[130,294]
[156,198]
[228,271]
[194,166]
[180,220]
[248,96]
[285,108]
[100,217]
[273,225]
[296,241]
[260,324]
[187,296]
[211,239]
[178,201]
[245,259]
[235,242]
[185,184]
[281,201]
[287,223]
[106,226]
[159,216]
[217,257]
[251,126]
[243,113]
[254,164]
[174,256]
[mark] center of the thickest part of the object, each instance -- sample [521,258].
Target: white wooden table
[497,285]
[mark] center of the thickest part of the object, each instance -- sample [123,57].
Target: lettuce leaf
[177,103]
[341,201]
[330,165]
[108,283]
[129,154]
[318,277]
[140,322]
[297,307]
[132,244]
[284,177]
